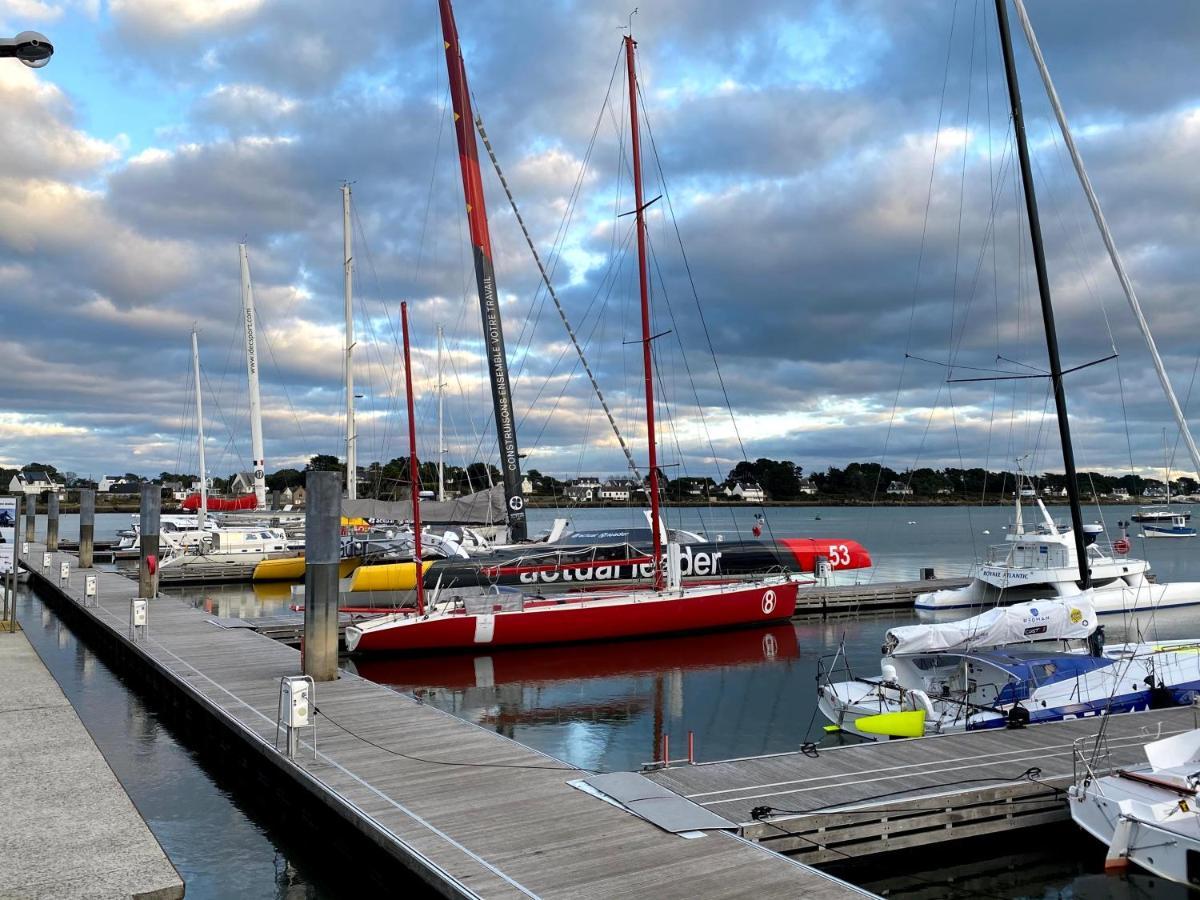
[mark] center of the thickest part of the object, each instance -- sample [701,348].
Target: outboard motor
[1095,642]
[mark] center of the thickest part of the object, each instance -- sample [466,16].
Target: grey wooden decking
[877,797]
[472,812]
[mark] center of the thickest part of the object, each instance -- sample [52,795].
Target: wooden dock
[843,599]
[854,801]
[470,812]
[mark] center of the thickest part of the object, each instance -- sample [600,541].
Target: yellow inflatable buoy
[388,577]
[906,724]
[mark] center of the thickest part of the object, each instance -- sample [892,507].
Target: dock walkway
[469,811]
[67,827]
[871,798]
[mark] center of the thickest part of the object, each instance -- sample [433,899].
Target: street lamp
[29,47]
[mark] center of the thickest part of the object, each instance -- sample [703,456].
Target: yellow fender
[291,568]
[388,577]
[907,724]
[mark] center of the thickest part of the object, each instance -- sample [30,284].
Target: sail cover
[1037,620]
[481,508]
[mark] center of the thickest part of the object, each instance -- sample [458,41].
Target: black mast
[1039,260]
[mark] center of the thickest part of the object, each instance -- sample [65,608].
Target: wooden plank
[507,823]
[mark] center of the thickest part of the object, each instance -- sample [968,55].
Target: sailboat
[981,672]
[456,553]
[230,545]
[512,618]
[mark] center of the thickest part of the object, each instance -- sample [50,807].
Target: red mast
[644,284]
[485,276]
[413,469]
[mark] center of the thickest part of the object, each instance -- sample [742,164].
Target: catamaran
[498,617]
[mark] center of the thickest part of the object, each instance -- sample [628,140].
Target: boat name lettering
[692,562]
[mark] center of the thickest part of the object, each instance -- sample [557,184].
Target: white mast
[441,442]
[1126,284]
[200,513]
[347,278]
[256,438]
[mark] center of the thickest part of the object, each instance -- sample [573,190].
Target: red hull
[220,504]
[573,620]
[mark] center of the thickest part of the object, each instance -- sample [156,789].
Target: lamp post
[29,47]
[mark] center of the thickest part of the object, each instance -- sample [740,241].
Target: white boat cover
[481,508]
[1037,620]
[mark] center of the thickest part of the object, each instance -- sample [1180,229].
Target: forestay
[1037,620]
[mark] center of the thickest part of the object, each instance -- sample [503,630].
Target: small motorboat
[1175,527]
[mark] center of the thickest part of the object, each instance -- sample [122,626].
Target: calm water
[219,845]
[607,706]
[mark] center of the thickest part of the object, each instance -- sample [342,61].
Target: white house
[746,490]
[1120,493]
[618,489]
[807,486]
[580,493]
[32,482]
[108,482]
[899,489]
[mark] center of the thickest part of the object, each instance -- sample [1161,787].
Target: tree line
[781,480]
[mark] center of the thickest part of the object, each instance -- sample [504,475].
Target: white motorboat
[1149,816]
[1175,527]
[1042,562]
[1029,663]
[233,545]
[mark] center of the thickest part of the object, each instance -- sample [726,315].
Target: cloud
[832,262]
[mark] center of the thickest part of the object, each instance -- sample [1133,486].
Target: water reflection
[1070,866]
[607,706]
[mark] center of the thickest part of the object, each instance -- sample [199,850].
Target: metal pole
[256,436]
[441,439]
[1106,235]
[322,553]
[31,518]
[148,527]
[202,512]
[1043,279]
[635,150]
[10,597]
[87,527]
[52,521]
[485,279]
[348,290]
[414,469]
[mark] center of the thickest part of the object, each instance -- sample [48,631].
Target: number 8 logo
[768,603]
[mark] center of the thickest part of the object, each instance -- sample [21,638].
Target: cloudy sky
[840,176]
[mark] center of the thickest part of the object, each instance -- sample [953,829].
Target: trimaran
[506,618]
